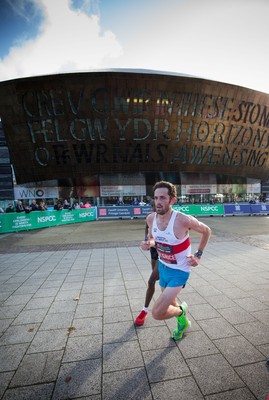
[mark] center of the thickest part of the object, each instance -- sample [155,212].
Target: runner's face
[162,201]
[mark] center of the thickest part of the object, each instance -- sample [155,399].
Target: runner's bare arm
[185,222]
[146,244]
[201,228]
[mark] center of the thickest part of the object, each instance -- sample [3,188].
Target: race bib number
[166,253]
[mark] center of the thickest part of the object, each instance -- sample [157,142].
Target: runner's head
[165,195]
[172,190]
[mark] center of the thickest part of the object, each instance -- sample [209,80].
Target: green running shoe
[182,323]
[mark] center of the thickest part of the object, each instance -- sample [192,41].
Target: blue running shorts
[170,277]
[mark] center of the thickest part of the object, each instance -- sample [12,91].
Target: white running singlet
[172,251]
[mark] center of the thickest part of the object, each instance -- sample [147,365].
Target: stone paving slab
[67,332]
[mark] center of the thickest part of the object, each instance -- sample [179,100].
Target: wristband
[198,253]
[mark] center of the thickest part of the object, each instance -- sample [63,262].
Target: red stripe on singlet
[177,248]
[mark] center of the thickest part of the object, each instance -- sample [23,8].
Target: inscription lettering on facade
[90,123]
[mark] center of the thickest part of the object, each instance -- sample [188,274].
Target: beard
[163,210]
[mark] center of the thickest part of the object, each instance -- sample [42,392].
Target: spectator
[20,207]
[27,209]
[87,204]
[81,205]
[33,206]
[42,206]
[66,205]
[75,206]
[120,202]
[10,208]
[135,202]
[58,206]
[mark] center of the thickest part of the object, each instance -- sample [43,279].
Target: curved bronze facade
[73,125]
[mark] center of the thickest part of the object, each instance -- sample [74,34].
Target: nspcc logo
[86,214]
[209,208]
[184,209]
[46,218]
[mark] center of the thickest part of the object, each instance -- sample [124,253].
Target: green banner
[14,222]
[203,209]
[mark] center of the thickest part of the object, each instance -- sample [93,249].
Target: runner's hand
[193,261]
[144,245]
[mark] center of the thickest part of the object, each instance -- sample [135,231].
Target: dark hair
[172,190]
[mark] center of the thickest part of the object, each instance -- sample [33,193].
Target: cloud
[213,39]
[69,40]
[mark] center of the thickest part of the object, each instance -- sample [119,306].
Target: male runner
[154,276]
[169,232]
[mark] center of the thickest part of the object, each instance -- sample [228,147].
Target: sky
[220,40]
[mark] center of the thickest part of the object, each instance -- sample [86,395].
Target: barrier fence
[123,212]
[14,222]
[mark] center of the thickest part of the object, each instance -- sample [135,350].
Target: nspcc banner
[203,209]
[14,222]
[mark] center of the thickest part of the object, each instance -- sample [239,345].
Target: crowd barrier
[244,209]
[224,209]
[200,209]
[14,222]
[123,212]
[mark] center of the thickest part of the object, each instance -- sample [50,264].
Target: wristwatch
[198,253]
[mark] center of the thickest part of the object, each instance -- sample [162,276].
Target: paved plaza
[69,296]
